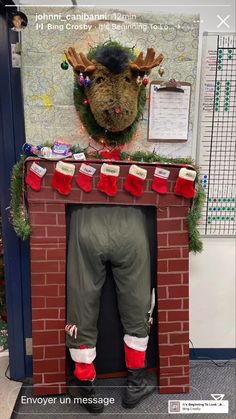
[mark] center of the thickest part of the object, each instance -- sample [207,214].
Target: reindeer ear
[79,62]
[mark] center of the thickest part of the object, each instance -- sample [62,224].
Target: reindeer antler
[79,62]
[147,63]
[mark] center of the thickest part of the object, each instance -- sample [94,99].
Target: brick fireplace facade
[48,276]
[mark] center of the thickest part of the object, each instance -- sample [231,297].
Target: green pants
[99,234]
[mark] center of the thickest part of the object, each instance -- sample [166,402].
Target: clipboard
[169,107]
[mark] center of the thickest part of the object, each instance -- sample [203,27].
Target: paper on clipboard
[168,114]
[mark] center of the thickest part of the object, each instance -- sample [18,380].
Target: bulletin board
[217,134]
[48,90]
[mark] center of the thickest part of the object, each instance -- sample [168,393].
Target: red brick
[170,253]
[171,371]
[38,278]
[62,336]
[179,291]
[62,313]
[185,347]
[44,291]
[61,219]
[45,366]
[163,338]
[169,304]
[184,225]
[38,302]
[163,212]
[185,252]
[179,360]
[38,254]
[169,225]
[178,211]
[163,361]
[58,278]
[57,208]
[185,278]
[178,265]
[55,302]
[162,292]
[38,324]
[147,198]
[62,290]
[62,266]
[178,315]
[44,219]
[56,351]
[35,207]
[179,337]
[162,316]
[55,231]
[179,380]
[168,278]
[185,326]
[169,199]
[38,231]
[185,303]
[62,365]
[55,324]
[38,378]
[44,266]
[163,381]
[54,378]
[168,350]
[162,266]
[56,254]
[162,239]
[45,313]
[45,338]
[169,327]
[38,352]
[177,239]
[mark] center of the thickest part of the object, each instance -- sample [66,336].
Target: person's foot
[139,386]
[86,391]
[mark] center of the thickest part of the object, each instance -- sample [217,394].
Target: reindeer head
[113,94]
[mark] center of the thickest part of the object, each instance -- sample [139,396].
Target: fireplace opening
[110,352]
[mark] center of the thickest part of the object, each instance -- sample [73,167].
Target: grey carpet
[205,379]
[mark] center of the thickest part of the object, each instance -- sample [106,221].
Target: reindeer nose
[117,110]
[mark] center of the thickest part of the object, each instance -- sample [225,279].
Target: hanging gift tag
[79,156]
[87,170]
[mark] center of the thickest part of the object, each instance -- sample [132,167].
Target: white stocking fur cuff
[83,355]
[187,174]
[140,344]
[65,168]
[110,169]
[87,170]
[138,171]
[38,170]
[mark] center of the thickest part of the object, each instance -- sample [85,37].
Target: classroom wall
[212,273]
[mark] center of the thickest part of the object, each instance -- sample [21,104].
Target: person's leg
[131,270]
[85,278]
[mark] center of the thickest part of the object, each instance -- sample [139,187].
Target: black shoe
[139,386]
[85,389]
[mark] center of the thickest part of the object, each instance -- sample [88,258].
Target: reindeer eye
[99,80]
[127,79]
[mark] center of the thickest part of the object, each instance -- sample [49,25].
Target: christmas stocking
[185,183]
[35,176]
[108,179]
[84,178]
[159,183]
[62,177]
[135,179]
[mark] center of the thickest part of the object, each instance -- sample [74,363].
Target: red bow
[113,155]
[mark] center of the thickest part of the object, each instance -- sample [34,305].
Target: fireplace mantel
[48,274]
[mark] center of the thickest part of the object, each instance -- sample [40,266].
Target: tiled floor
[8,389]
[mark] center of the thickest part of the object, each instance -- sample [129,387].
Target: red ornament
[117,110]
[145,81]
[85,102]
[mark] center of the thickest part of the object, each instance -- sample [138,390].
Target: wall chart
[217,133]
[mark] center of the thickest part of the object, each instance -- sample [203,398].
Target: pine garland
[94,129]
[18,214]
[20,219]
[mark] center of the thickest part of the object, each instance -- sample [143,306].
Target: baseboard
[213,353]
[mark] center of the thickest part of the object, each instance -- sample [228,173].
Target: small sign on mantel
[169,113]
